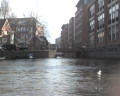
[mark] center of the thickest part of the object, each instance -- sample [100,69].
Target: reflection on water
[57,77]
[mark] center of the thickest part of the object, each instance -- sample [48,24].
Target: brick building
[6,33]
[40,41]
[23,32]
[97,27]
[65,37]
[113,20]
[71,29]
[104,23]
[81,25]
[74,35]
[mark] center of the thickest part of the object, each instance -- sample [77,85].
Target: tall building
[104,23]
[92,24]
[23,32]
[64,37]
[81,25]
[71,29]
[96,28]
[113,20]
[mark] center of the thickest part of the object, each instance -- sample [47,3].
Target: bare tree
[12,15]
[46,32]
[42,22]
[5,9]
[34,15]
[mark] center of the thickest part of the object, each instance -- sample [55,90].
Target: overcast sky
[54,12]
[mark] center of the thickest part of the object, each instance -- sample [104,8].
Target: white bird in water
[99,73]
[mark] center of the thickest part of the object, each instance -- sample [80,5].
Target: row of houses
[22,32]
[96,25]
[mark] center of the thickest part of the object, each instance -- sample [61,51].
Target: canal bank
[25,54]
[111,52]
[98,53]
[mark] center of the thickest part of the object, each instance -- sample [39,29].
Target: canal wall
[103,53]
[69,54]
[25,54]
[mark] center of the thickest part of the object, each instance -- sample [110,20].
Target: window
[92,38]
[100,4]
[92,25]
[5,33]
[101,20]
[100,36]
[113,32]
[31,29]
[92,10]
[18,29]
[113,13]
[109,1]
[4,40]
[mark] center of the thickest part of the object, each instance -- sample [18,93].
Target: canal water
[58,77]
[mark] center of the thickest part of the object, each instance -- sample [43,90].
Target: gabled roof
[13,22]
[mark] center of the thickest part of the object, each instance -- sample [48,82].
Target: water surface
[57,77]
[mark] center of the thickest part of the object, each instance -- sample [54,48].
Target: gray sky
[54,12]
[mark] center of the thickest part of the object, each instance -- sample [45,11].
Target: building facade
[6,33]
[104,23]
[96,27]
[22,32]
[81,25]
[40,41]
[113,26]
[91,24]
[58,43]
[71,29]
[65,37]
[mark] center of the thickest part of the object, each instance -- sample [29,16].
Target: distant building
[58,43]
[71,29]
[40,41]
[6,33]
[65,37]
[52,46]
